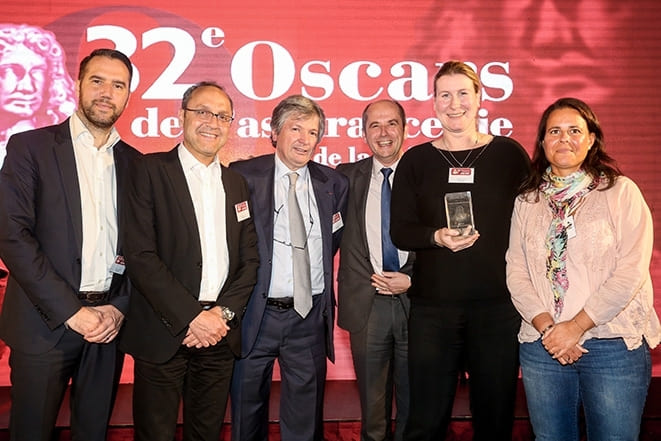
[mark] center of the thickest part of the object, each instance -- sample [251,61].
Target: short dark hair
[296,106]
[400,109]
[108,53]
[189,93]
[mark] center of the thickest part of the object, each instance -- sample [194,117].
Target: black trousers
[39,382]
[200,376]
[443,341]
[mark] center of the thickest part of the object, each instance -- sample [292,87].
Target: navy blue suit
[252,376]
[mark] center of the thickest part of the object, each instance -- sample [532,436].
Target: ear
[592,138]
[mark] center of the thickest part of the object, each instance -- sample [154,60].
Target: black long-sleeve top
[441,276]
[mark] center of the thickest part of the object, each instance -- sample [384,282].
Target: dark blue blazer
[330,190]
[41,236]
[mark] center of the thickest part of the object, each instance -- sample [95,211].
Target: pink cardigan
[607,265]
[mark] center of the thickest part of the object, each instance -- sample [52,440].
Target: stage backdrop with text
[344,54]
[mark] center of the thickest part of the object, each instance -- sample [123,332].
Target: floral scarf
[564,195]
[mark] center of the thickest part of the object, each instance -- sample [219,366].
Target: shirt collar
[190,162]
[80,133]
[377,166]
[281,170]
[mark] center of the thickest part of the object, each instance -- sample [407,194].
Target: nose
[305,138]
[26,83]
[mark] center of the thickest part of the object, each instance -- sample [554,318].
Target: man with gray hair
[299,210]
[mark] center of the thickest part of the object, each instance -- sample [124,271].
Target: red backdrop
[349,52]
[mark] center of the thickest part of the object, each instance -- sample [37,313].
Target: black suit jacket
[355,291]
[164,257]
[330,191]
[41,236]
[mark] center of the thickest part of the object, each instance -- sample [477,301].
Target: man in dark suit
[299,210]
[60,237]
[374,276]
[191,251]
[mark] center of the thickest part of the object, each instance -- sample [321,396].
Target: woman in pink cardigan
[578,271]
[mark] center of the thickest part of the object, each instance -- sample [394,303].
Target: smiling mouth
[384,143]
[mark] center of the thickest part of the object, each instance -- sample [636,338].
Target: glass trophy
[459,212]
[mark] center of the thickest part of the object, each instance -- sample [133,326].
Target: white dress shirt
[282,277]
[373,217]
[208,194]
[98,200]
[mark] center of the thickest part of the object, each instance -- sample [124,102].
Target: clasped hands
[561,342]
[207,329]
[97,324]
[455,240]
[391,282]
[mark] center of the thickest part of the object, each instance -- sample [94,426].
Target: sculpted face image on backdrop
[35,88]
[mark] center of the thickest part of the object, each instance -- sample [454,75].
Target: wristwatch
[228,314]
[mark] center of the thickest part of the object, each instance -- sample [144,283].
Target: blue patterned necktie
[389,251]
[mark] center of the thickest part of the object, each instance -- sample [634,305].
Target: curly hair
[60,102]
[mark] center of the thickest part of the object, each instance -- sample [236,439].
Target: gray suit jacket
[355,290]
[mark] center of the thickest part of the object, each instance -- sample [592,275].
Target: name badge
[242,211]
[461,175]
[118,266]
[337,221]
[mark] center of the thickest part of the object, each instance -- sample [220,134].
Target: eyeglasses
[206,116]
[276,216]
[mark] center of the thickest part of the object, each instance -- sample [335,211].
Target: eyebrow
[98,77]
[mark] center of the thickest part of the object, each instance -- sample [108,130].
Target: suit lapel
[121,170]
[179,188]
[66,164]
[262,194]
[231,221]
[323,193]
[363,178]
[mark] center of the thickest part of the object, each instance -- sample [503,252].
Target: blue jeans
[610,382]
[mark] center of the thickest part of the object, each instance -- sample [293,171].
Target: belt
[281,302]
[387,295]
[93,297]
[206,305]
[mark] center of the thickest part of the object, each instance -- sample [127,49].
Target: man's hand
[207,329]
[97,324]
[391,282]
[85,321]
[112,322]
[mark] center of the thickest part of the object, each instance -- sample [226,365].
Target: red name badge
[242,211]
[461,175]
